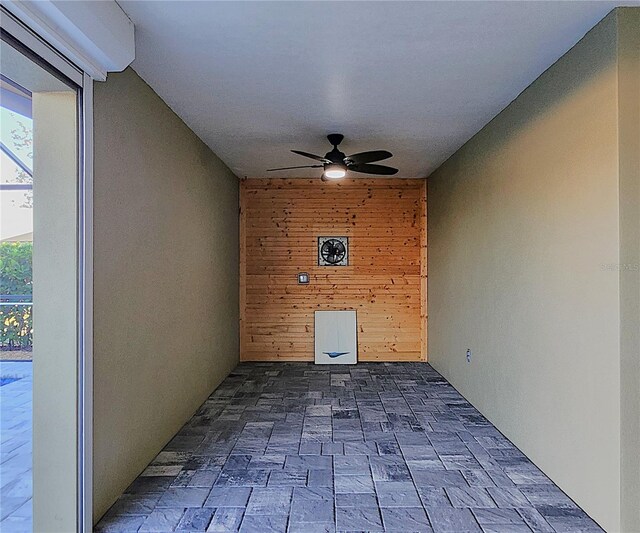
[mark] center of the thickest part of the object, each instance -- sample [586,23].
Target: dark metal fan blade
[374,169]
[312,156]
[291,168]
[368,157]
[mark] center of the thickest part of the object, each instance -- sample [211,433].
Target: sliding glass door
[42,286]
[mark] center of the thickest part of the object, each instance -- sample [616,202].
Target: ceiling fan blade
[291,168]
[367,157]
[312,156]
[373,169]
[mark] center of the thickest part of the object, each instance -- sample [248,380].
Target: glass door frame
[32,45]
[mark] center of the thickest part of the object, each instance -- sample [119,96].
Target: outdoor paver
[195,519]
[204,478]
[270,501]
[508,497]
[397,494]
[568,519]
[183,497]
[311,528]
[436,478]
[356,500]
[293,447]
[162,471]
[478,478]
[389,468]
[500,478]
[136,503]
[288,478]
[417,465]
[312,511]
[264,524]
[117,524]
[360,448]
[535,520]
[301,494]
[266,462]
[318,410]
[466,497]
[497,516]
[162,520]
[506,528]
[351,465]
[320,478]
[546,496]
[388,448]
[450,520]
[358,519]
[405,519]
[228,497]
[237,462]
[243,478]
[226,519]
[310,448]
[16,447]
[351,484]
[305,462]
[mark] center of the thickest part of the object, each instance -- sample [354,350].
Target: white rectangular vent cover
[336,338]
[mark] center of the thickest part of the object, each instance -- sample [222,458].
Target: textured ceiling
[255,79]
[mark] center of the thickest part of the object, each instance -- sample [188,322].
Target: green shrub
[16,279]
[16,272]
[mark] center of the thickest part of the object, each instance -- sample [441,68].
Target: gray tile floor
[373,447]
[16,447]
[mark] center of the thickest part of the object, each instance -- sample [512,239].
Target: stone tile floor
[373,447]
[16,447]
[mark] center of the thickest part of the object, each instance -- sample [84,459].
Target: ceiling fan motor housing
[335,139]
[335,156]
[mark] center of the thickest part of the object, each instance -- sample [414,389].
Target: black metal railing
[16,321]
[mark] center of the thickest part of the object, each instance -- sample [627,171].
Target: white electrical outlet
[468,356]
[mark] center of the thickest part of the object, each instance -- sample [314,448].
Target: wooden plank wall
[385,282]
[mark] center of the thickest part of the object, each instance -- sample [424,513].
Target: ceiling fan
[336,163]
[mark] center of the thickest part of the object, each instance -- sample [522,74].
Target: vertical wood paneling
[385,281]
[242,258]
[423,269]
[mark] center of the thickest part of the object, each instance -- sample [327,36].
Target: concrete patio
[16,443]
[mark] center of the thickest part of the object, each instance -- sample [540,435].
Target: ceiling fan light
[334,172]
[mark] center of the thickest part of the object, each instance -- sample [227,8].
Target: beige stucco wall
[165,279]
[524,247]
[629,136]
